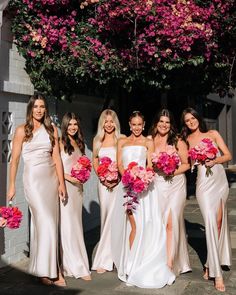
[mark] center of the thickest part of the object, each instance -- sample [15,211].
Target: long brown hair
[46,121]
[185,130]
[78,137]
[172,138]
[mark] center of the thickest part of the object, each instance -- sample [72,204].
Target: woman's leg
[133,228]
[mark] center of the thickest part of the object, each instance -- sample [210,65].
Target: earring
[143,128]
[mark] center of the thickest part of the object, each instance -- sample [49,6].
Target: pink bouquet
[12,215]
[108,171]
[82,169]
[166,163]
[202,152]
[136,179]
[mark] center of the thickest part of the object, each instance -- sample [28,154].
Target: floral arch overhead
[69,44]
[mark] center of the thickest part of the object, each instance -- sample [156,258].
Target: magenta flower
[202,152]
[82,169]
[135,179]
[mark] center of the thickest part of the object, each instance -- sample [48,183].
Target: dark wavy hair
[185,131]
[135,114]
[172,138]
[46,120]
[78,137]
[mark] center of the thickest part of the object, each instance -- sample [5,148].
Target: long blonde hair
[99,137]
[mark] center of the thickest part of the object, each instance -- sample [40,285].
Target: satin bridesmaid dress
[171,197]
[41,192]
[145,264]
[103,256]
[74,254]
[212,193]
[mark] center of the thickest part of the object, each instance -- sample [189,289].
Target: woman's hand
[210,163]
[11,193]
[110,184]
[3,222]
[62,192]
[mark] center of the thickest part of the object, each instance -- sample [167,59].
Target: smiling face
[72,128]
[163,125]
[109,125]
[191,122]
[38,110]
[136,126]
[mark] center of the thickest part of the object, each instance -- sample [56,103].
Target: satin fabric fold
[74,254]
[103,256]
[212,192]
[41,192]
[171,196]
[145,264]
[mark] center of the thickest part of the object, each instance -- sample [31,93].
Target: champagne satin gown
[41,192]
[103,256]
[171,198]
[145,264]
[212,192]
[74,254]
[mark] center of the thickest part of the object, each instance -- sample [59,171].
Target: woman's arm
[95,159]
[59,167]
[150,151]
[120,144]
[15,157]
[183,154]
[67,176]
[226,155]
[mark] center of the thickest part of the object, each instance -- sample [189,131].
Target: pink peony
[82,169]
[202,152]
[136,179]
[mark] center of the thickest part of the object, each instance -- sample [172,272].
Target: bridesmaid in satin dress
[172,194]
[104,145]
[139,237]
[74,256]
[212,194]
[43,181]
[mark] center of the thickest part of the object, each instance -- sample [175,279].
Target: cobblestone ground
[14,279]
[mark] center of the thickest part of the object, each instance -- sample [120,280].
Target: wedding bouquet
[82,169]
[136,179]
[12,215]
[202,152]
[108,171]
[166,163]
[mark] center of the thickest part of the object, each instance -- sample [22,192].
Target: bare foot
[86,278]
[170,265]
[101,270]
[46,281]
[206,274]
[219,284]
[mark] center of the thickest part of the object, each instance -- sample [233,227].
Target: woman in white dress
[104,145]
[139,238]
[212,194]
[74,256]
[43,180]
[172,194]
